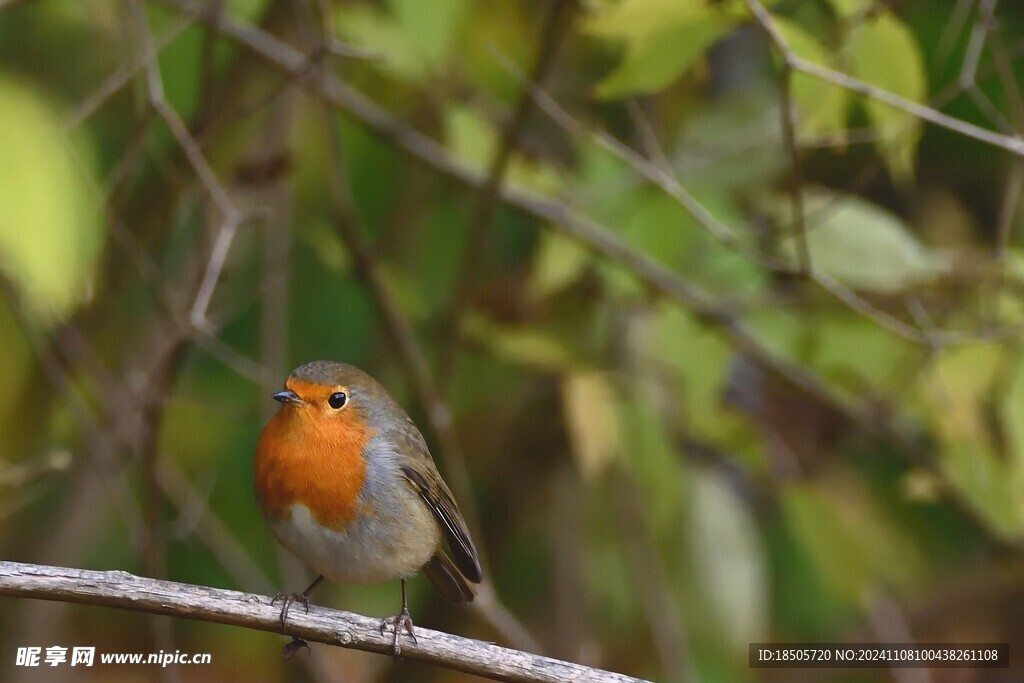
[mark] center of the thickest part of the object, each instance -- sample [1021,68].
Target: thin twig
[651,582]
[976,44]
[888,622]
[651,170]
[668,183]
[588,232]
[16,475]
[950,33]
[127,591]
[787,115]
[1011,144]
[481,220]
[230,216]
[411,354]
[430,401]
[210,529]
[1008,206]
[121,76]
[596,238]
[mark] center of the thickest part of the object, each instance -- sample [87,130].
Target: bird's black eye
[337,400]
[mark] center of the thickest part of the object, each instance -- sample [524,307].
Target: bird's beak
[287,397]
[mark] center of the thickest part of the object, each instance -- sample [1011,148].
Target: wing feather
[439,499]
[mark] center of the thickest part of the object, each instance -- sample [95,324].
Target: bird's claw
[401,621]
[291,648]
[288,599]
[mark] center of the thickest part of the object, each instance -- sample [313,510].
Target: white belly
[394,542]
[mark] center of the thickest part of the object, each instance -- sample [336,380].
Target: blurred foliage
[655,484]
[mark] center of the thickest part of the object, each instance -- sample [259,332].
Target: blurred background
[709,310]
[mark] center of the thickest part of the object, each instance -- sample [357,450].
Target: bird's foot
[293,647]
[288,599]
[399,622]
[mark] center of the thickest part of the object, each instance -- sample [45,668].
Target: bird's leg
[289,598]
[403,620]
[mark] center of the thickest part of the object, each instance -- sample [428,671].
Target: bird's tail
[447,579]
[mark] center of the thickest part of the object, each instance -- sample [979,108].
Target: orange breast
[316,459]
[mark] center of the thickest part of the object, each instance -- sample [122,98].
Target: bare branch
[787,114]
[248,610]
[1011,144]
[979,34]
[122,76]
[16,475]
[664,179]
[230,215]
[599,239]
[430,400]
[481,219]
[653,171]
[585,230]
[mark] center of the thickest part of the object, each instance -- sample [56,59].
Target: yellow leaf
[50,232]
[883,52]
[956,389]
[588,402]
[820,106]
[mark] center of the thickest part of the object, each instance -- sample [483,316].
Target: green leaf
[527,346]
[819,530]
[471,138]
[1010,410]
[849,537]
[1001,295]
[882,51]
[661,228]
[957,390]
[50,233]
[325,245]
[821,106]
[559,263]
[636,20]
[852,8]
[729,559]
[652,458]
[956,385]
[247,10]
[432,27]
[657,226]
[857,355]
[418,38]
[986,482]
[363,25]
[404,291]
[180,67]
[662,39]
[700,361]
[858,243]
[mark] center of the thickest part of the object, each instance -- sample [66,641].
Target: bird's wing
[439,499]
[447,579]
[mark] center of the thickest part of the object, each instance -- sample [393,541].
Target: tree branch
[1013,145]
[248,610]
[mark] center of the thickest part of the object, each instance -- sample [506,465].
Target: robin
[346,482]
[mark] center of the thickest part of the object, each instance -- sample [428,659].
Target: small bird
[345,481]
